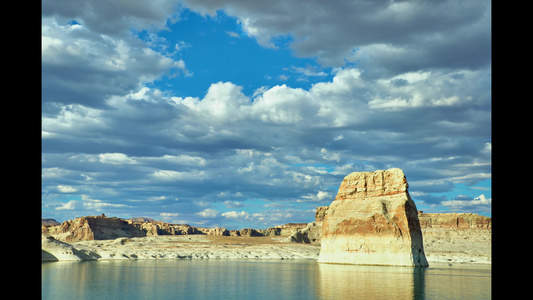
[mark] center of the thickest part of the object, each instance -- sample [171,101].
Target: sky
[242,114]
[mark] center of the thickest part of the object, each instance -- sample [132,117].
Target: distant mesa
[141,219]
[100,227]
[49,222]
[454,221]
[373,221]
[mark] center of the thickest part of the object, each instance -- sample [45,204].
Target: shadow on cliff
[82,255]
[47,256]
[86,255]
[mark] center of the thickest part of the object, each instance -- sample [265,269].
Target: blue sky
[218,49]
[249,114]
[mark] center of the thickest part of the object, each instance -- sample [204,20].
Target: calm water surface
[259,279]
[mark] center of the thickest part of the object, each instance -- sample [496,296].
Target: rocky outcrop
[287,229]
[373,221]
[103,228]
[214,231]
[157,228]
[454,220]
[49,222]
[93,228]
[299,237]
[312,232]
[283,230]
[320,213]
[250,232]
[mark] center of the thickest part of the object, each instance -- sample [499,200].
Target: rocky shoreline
[441,245]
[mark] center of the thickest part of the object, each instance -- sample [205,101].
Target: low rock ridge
[454,220]
[91,228]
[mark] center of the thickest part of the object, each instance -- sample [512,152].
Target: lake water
[259,279]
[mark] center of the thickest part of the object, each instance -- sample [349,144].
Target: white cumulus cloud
[208,213]
[116,158]
[66,189]
[236,215]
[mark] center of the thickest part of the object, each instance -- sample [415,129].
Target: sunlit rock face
[373,221]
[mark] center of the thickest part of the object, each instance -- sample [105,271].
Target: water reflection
[458,281]
[255,279]
[440,281]
[179,279]
[370,282]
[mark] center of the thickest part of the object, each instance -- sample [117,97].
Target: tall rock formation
[373,221]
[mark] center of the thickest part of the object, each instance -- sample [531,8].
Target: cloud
[233,34]
[222,100]
[71,205]
[208,213]
[66,189]
[88,204]
[82,66]
[309,71]
[410,87]
[233,204]
[236,215]
[467,204]
[165,215]
[272,217]
[112,17]
[382,37]
[169,175]
[171,217]
[321,196]
[281,145]
[54,172]
[116,158]
[183,159]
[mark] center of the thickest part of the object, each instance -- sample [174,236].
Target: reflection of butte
[366,282]
[373,221]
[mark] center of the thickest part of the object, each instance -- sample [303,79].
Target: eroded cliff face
[92,228]
[454,220]
[103,228]
[458,237]
[373,221]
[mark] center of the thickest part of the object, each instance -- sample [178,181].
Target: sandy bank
[181,247]
[457,246]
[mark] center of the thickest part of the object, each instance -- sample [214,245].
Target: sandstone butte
[373,221]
